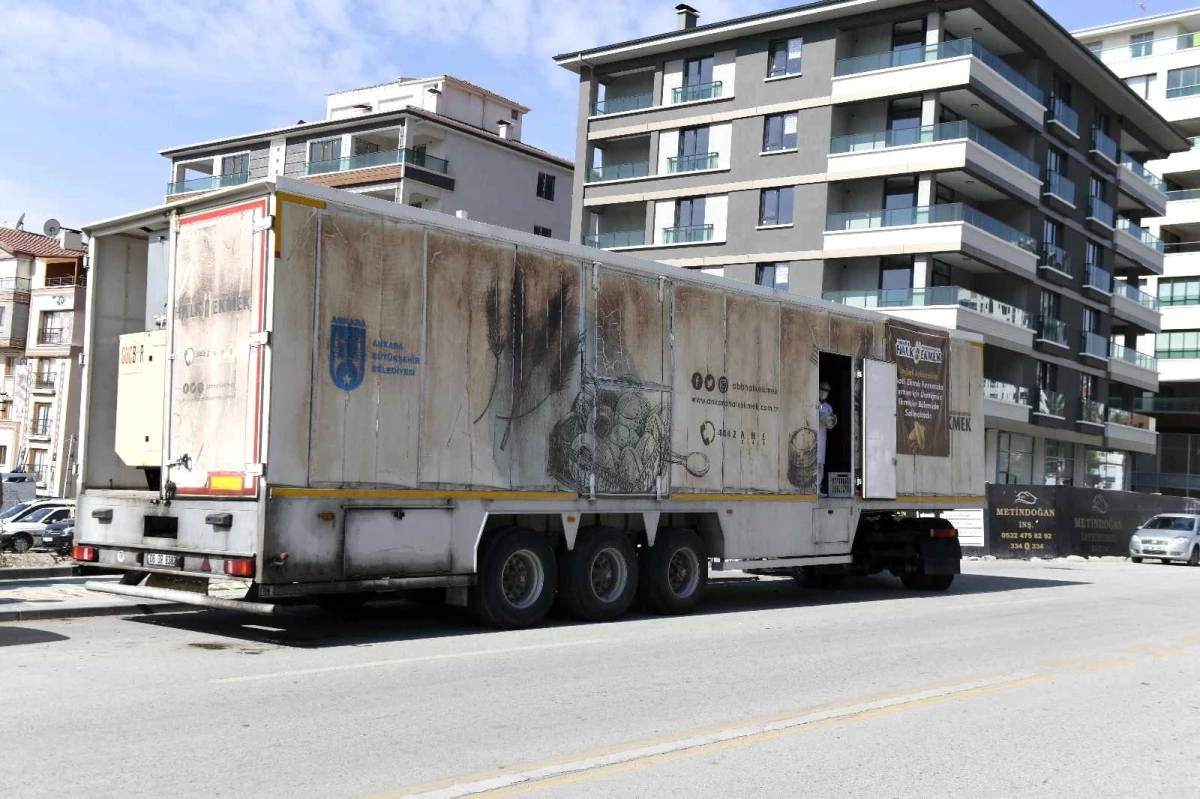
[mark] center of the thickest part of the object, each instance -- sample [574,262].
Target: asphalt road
[1026,679]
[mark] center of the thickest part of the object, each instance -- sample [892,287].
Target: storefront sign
[922,389]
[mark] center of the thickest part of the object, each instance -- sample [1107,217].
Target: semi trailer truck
[332,397]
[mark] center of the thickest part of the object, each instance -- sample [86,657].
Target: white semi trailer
[331,396]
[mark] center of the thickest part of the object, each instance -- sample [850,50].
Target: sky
[93,89]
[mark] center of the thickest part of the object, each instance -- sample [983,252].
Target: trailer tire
[517,580]
[673,574]
[599,578]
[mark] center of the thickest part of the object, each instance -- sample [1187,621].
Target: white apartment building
[1159,58]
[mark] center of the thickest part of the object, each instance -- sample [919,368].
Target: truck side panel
[803,334]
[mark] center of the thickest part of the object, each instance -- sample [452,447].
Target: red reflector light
[240,567]
[943,532]
[86,554]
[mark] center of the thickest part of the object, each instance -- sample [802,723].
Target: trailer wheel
[673,574]
[517,580]
[599,578]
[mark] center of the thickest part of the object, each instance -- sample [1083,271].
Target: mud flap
[941,555]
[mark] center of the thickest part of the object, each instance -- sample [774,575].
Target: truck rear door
[217,351]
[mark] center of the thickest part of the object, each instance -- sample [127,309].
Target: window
[1183,82]
[1047,376]
[773,276]
[1015,454]
[1051,305]
[1171,291]
[784,57]
[515,114]
[698,71]
[940,276]
[1060,463]
[363,147]
[1091,320]
[545,186]
[779,132]
[1142,85]
[327,150]
[1052,232]
[1061,90]
[1106,469]
[908,34]
[1178,344]
[689,212]
[4,456]
[538,230]
[52,328]
[899,192]
[1095,47]
[1087,387]
[895,275]
[1091,254]
[41,419]
[235,164]
[1056,161]
[775,206]
[693,141]
[1141,44]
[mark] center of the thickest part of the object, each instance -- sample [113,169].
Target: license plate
[160,559]
[46,539]
[1156,552]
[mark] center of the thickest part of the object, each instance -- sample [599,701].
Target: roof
[1138,22]
[451,78]
[23,242]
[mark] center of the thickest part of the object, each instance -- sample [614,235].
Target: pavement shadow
[20,636]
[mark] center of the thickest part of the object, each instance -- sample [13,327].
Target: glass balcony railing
[692,163]
[1132,292]
[1167,404]
[1056,258]
[1005,392]
[1102,143]
[208,183]
[1060,187]
[954,48]
[1138,169]
[1101,211]
[931,296]
[1122,353]
[947,131]
[687,234]
[18,284]
[1051,403]
[930,215]
[1052,330]
[418,158]
[1094,344]
[1095,277]
[1091,411]
[1140,233]
[1168,44]
[617,105]
[617,238]
[1131,419]
[696,91]
[1063,114]
[1183,194]
[638,169]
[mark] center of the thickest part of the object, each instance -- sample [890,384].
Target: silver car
[1168,537]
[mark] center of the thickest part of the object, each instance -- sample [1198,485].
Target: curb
[36,572]
[139,609]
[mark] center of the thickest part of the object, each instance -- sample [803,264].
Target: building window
[538,230]
[895,275]
[689,212]
[1047,376]
[909,34]
[52,328]
[39,464]
[779,132]
[940,275]
[515,114]
[1051,305]
[775,206]
[41,419]
[698,71]
[1179,291]
[326,150]
[545,186]
[1178,344]
[4,456]
[3,314]
[773,276]
[784,57]
[1095,47]
[1056,162]
[1096,188]
[1091,254]
[1141,44]
[235,164]
[44,376]
[1183,82]
[1091,320]
[1106,469]
[1015,453]
[1142,85]
[1060,463]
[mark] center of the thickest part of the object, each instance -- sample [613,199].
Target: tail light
[239,567]
[943,532]
[85,554]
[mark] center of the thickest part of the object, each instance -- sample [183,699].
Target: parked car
[20,533]
[1168,537]
[19,512]
[58,537]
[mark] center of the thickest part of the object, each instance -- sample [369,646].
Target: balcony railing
[687,234]
[65,280]
[930,215]
[1052,330]
[1091,411]
[40,427]
[45,382]
[1122,353]
[1168,44]
[1005,392]
[1056,258]
[1183,194]
[208,183]
[1167,404]
[1094,277]
[16,284]
[696,91]
[1138,169]
[938,52]
[1132,292]
[1177,247]
[947,131]
[1094,344]
[1131,419]
[418,158]
[1101,211]
[1060,187]
[1102,143]
[692,163]
[931,296]
[1140,233]
[51,335]
[1051,403]
[1063,114]
[637,169]
[617,238]
[617,105]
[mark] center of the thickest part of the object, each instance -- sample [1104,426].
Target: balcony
[45,383]
[1134,305]
[693,163]
[1056,259]
[949,228]
[15,285]
[696,92]
[1062,118]
[1127,365]
[1141,186]
[1162,405]
[1093,345]
[1091,412]
[1104,147]
[637,169]
[619,105]
[616,239]
[40,427]
[959,145]
[1059,188]
[1131,431]
[688,234]
[52,336]
[64,280]
[950,307]
[1101,213]
[1138,247]
[1005,401]
[1168,44]
[1051,403]
[207,183]
[935,67]
[417,158]
[1052,331]
[1099,280]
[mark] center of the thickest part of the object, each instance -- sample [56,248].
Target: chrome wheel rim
[522,579]
[683,572]
[609,574]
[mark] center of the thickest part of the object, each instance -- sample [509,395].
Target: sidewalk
[66,598]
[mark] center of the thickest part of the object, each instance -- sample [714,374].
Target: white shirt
[824,409]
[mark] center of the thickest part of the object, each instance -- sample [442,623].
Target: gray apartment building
[966,164]
[439,143]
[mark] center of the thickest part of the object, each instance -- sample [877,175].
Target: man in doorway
[826,421]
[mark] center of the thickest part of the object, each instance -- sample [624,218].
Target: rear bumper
[185,597]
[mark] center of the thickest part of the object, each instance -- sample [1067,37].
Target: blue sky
[94,88]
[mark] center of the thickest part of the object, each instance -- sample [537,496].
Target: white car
[1168,537]
[20,535]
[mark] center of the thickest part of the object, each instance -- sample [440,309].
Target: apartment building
[42,305]
[438,143]
[969,165]
[1159,58]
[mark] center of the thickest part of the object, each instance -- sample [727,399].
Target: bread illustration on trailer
[916,437]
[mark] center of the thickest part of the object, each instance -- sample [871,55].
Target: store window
[1015,453]
[1106,469]
[1060,463]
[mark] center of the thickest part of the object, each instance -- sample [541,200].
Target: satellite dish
[21,222]
[52,228]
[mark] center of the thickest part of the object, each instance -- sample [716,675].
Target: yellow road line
[1105,665]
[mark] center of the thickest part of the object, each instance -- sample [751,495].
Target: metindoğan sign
[922,388]
[1025,521]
